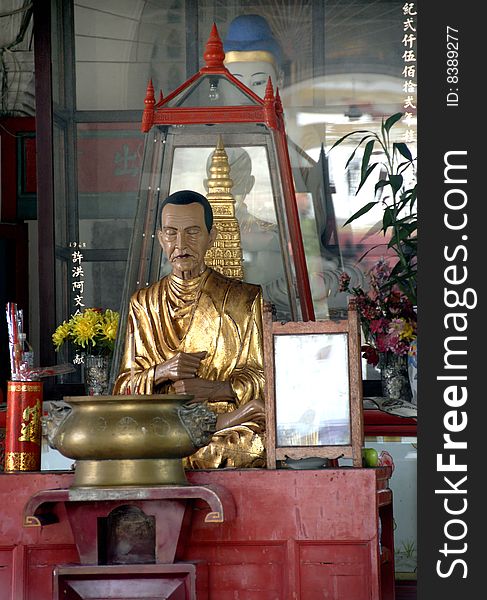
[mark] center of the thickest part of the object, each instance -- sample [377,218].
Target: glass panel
[136,274]
[213,91]
[109,163]
[362,81]
[106,234]
[61,231]
[60,204]
[403,483]
[264,259]
[255,211]
[103,287]
[364,233]
[341,67]
[97,223]
[334,75]
[304,416]
[290,22]
[121,44]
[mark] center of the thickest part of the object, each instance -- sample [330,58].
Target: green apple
[370,456]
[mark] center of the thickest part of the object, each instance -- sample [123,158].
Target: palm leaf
[365,177]
[391,120]
[396,182]
[362,211]
[350,134]
[369,146]
[404,150]
[351,157]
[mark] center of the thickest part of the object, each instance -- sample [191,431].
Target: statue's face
[185,239]
[254,74]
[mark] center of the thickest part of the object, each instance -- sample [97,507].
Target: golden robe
[210,313]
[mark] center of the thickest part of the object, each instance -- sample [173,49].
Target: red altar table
[300,535]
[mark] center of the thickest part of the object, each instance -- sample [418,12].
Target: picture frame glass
[312,390]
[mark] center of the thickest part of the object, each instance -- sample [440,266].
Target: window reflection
[340,68]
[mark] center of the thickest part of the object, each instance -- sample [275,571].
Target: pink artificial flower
[400,348]
[382,342]
[397,325]
[368,311]
[379,325]
[378,275]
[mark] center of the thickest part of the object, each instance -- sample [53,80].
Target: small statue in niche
[261,247]
[198,332]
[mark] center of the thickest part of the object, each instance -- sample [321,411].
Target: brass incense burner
[132,440]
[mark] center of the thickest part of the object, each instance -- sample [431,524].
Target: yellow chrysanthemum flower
[85,327]
[61,334]
[108,326]
[407,333]
[88,329]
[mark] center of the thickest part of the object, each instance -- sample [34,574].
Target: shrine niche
[129,537]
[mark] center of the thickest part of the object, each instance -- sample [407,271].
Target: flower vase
[97,371]
[395,377]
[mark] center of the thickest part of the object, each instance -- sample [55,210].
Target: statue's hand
[252,411]
[204,389]
[182,365]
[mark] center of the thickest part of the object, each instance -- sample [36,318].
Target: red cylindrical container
[23,435]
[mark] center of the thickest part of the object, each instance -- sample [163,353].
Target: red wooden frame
[351,328]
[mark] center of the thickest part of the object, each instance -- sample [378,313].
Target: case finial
[214,54]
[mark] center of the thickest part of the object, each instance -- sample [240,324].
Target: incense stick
[132,358]
[13,339]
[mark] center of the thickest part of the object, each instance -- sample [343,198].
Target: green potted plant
[399,219]
[386,309]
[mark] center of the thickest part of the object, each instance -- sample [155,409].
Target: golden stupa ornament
[226,254]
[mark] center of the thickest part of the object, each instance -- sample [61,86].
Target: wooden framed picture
[313,389]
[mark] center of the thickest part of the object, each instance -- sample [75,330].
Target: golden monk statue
[198,332]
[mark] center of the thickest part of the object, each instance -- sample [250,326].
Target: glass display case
[213,108]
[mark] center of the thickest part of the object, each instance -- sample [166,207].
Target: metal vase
[97,371]
[395,377]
